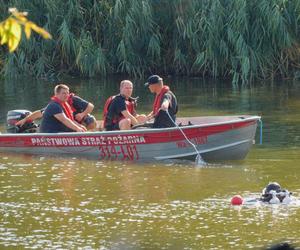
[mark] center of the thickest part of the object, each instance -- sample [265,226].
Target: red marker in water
[237,200]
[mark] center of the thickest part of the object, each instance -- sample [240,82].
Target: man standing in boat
[165,101]
[81,111]
[58,115]
[119,111]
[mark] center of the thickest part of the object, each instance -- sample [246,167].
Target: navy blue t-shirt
[49,123]
[117,106]
[79,104]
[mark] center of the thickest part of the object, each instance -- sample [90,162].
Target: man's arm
[79,117]
[127,115]
[164,106]
[166,102]
[68,122]
[150,116]
[33,116]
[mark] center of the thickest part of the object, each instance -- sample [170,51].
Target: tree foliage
[241,39]
[11,29]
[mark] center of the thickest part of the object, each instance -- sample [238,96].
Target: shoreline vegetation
[241,40]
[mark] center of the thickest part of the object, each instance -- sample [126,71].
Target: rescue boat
[217,138]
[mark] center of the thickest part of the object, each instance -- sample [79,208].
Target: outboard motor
[13,116]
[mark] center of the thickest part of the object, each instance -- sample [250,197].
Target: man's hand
[81,129]
[150,116]
[129,116]
[80,116]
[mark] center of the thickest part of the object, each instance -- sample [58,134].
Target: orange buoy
[237,200]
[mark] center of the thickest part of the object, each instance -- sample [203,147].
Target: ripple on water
[3,166]
[92,215]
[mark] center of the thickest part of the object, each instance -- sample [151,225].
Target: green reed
[237,39]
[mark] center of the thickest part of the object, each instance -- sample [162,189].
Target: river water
[70,203]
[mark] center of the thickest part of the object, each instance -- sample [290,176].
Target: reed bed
[240,40]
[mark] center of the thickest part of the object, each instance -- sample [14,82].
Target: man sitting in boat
[81,111]
[165,103]
[58,115]
[119,111]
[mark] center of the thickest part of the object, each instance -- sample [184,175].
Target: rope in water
[199,159]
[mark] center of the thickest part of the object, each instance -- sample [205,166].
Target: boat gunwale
[235,119]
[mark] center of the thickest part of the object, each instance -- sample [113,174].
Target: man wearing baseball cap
[165,101]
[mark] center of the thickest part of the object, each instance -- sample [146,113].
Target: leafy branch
[11,29]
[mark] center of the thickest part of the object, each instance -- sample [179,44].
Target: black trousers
[162,120]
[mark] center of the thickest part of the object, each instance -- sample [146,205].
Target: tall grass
[238,39]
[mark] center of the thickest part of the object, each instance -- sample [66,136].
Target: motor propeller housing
[13,116]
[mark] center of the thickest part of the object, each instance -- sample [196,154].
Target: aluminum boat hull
[217,138]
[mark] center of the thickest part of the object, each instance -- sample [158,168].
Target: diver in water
[274,194]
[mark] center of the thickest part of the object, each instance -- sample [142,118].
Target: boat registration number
[118,152]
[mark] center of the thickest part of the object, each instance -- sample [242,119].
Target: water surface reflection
[73,203]
[70,203]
